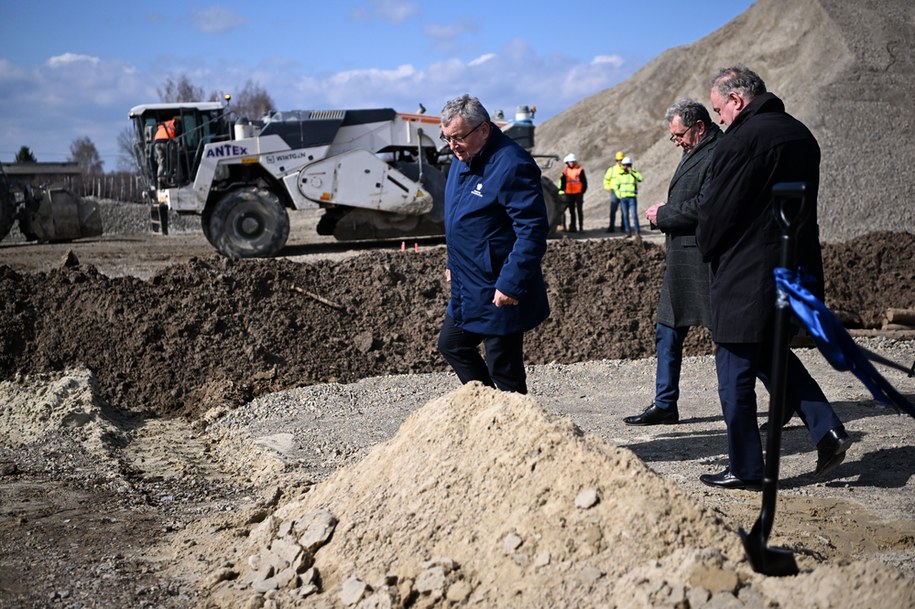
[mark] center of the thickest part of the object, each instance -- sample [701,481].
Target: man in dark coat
[685,292]
[495,230]
[739,235]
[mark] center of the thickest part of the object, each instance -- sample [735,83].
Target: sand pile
[483,498]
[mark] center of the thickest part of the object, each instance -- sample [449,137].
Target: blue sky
[74,69]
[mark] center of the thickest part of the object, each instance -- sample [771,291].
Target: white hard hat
[627,160]
[570,159]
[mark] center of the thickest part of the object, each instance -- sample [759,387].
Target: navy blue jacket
[495,229]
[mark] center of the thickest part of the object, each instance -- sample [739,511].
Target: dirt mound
[216,330]
[483,498]
[499,503]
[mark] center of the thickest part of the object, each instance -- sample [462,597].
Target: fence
[117,186]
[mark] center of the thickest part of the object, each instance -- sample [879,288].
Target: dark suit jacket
[685,292]
[738,232]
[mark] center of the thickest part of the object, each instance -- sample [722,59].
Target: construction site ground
[164,411]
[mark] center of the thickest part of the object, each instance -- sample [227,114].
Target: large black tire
[555,207]
[248,223]
[7,206]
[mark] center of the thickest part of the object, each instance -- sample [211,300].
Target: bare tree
[84,152]
[253,101]
[127,158]
[181,91]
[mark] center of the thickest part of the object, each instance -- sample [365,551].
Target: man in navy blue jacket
[495,230]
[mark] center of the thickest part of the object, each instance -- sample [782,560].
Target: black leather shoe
[831,451]
[729,481]
[654,416]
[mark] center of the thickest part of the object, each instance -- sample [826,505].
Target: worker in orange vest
[166,150]
[572,185]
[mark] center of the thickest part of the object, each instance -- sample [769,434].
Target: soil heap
[215,330]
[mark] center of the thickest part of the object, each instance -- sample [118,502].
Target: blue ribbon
[832,339]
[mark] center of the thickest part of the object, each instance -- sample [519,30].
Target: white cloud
[614,60]
[70,58]
[482,59]
[390,11]
[445,37]
[373,75]
[217,20]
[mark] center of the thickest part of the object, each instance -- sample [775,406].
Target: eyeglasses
[458,139]
[679,136]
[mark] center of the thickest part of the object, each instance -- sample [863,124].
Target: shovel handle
[790,210]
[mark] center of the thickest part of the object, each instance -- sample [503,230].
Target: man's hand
[500,299]
[651,214]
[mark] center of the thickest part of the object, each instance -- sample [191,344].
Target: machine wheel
[7,207]
[555,209]
[248,223]
[205,221]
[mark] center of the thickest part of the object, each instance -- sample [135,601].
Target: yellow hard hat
[619,156]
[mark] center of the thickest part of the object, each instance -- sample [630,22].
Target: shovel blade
[776,562]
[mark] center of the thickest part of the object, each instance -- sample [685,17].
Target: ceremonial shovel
[790,211]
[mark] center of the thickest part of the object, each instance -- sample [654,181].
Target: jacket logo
[478,191]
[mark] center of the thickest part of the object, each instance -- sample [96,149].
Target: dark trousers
[669,346]
[575,205]
[614,205]
[504,363]
[738,366]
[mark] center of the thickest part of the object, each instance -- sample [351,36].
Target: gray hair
[467,107]
[739,79]
[690,111]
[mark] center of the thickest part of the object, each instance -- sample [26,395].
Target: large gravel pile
[846,69]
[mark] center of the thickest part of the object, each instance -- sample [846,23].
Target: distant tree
[253,101]
[84,152]
[25,156]
[127,160]
[181,91]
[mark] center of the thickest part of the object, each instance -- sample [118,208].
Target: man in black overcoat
[739,235]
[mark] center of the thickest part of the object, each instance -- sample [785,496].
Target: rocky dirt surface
[183,430]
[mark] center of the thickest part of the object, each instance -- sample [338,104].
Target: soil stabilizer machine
[46,214]
[377,173]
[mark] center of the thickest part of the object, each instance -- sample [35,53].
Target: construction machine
[376,173]
[46,214]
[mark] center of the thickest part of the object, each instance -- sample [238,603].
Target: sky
[71,70]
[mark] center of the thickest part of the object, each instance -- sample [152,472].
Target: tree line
[124,184]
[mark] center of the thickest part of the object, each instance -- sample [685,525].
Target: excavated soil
[214,330]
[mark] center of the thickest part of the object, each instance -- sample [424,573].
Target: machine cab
[201,124]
